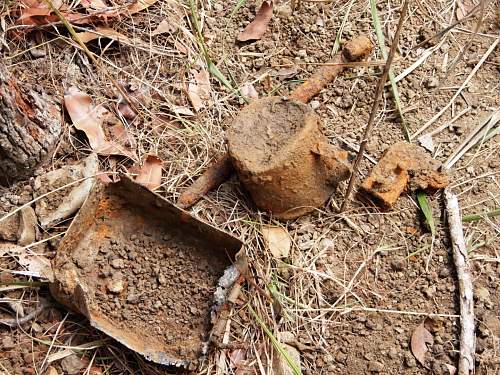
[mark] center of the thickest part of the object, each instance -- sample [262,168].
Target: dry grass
[295,295]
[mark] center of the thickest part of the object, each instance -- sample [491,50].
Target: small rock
[115,284]
[398,264]
[375,366]
[72,365]
[410,360]
[280,365]
[301,53]
[284,11]
[314,104]
[432,82]
[162,279]
[430,291]
[482,294]
[393,353]
[9,227]
[117,263]
[8,343]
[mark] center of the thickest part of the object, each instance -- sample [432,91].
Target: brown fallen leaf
[34,265]
[419,340]
[94,4]
[89,119]
[256,29]
[463,8]
[277,240]
[85,116]
[109,33]
[285,73]
[149,174]
[199,92]
[140,5]
[164,26]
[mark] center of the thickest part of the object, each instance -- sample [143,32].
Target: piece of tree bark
[29,128]
[465,289]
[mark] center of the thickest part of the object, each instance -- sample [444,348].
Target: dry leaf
[463,8]
[256,29]
[94,4]
[85,116]
[149,174]
[419,340]
[35,265]
[278,241]
[285,73]
[140,5]
[248,90]
[180,47]
[89,119]
[107,32]
[199,92]
[164,26]
[427,142]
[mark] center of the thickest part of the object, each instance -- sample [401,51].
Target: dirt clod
[401,164]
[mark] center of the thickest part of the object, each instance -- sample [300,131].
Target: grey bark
[30,127]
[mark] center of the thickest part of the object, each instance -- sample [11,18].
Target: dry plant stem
[215,175]
[32,315]
[465,289]
[373,113]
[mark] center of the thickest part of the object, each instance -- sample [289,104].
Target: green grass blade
[237,7]
[394,87]
[425,206]
[477,217]
[277,345]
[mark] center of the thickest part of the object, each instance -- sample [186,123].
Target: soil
[261,132]
[351,298]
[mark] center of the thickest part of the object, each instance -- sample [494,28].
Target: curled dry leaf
[85,116]
[34,265]
[89,119]
[256,29]
[149,174]
[199,90]
[277,240]
[419,340]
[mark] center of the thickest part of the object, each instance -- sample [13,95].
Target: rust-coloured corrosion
[117,211]
[215,175]
[403,164]
[354,50]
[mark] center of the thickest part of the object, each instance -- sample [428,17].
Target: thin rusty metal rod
[376,102]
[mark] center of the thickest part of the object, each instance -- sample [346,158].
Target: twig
[19,321]
[465,289]
[378,95]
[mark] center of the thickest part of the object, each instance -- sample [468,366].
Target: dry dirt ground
[350,294]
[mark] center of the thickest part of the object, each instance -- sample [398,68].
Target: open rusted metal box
[145,272]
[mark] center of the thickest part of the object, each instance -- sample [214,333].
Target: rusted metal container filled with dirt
[145,272]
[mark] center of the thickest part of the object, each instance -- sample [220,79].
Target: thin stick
[465,289]
[376,102]
[18,321]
